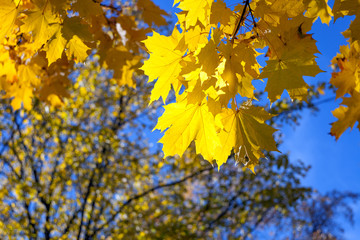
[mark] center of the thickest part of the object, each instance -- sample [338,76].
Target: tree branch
[140,195]
[238,24]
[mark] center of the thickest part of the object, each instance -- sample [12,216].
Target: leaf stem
[242,17]
[46,3]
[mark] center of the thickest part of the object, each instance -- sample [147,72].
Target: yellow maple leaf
[116,59]
[240,69]
[77,49]
[348,79]
[292,56]
[209,58]
[152,14]
[288,74]
[54,90]
[163,63]
[8,13]
[345,8]
[20,94]
[41,23]
[20,91]
[245,132]
[55,47]
[319,8]
[87,8]
[128,70]
[197,10]
[347,116]
[28,73]
[7,67]
[220,13]
[354,30]
[187,123]
[195,37]
[272,10]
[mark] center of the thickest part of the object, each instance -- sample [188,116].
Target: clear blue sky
[335,164]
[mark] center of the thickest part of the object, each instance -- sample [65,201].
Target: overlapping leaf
[163,63]
[187,123]
[245,132]
[347,115]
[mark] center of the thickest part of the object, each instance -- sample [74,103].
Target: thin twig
[140,195]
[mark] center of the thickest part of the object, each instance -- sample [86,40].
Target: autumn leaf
[163,63]
[209,58]
[343,8]
[292,56]
[8,13]
[187,123]
[220,13]
[347,79]
[77,49]
[319,8]
[245,132]
[152,14]
[240,69]
[42,25]
[54,90]
[55,47]
[288,74]
[196,11]
[87,8]
[347,115]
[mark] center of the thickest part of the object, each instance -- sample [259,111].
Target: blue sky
[335,164]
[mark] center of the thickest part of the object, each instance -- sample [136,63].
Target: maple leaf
[116,57]
[87,8]
[187,123]
[240,68]
[272,10]
[8,13]
[127,72]
[77,49]
[343,8]
[75,26]
[245,132]
[76,33]
[319,8]
[348,62]
[347,116]
[220,13]
[8,70]
[41,24]
[292,56]
[152,14]
[55,47]
[29,73]
[354,29]
[288,74]
[20,91]
[163,63]
[195,37]
[209,58]
[54,90]
[197,10]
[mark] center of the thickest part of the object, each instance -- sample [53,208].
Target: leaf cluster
[211,62]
